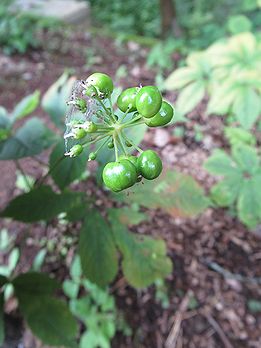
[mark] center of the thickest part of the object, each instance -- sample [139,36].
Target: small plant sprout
[92,119]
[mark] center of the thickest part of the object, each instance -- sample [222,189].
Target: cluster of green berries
[139,105]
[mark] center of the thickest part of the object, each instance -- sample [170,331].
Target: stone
[70,11]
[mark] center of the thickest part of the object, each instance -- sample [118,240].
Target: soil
[207,309]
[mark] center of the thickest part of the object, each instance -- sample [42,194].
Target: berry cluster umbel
[140,105]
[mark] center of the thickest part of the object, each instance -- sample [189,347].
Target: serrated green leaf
[238,136]
[247,107]
[219,163]
[35,284]
[97,250]
[178,194]
[249,201]
[26,106]
[29,140]
[50,320]
[221,98]
[246,158]
[40,204]
[68,169]
[226,191]
[180,78]
[144,258]
[54,100]
[190,96]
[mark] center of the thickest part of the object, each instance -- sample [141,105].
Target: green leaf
[178,194]
[76,269]
[29,140]
[247,106]
[190,96]
[5,124]
[97,250]
[249,202]
[67,170]
[13,259]
[130,216]
[26,106]
[239,24]
[226,191]
[254,306]
[246,158]
[54,100]
[180,78]
[222,97]
[219,163]
[34,284]
[238,136]
[144,259]
[70,288]
[91,339]
[40,204]
[3,280]
[50,320]
[2,324]
[39,260]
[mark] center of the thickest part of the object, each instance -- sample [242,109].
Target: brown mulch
[207,309]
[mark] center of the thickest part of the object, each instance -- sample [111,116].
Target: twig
[227,274]
[175,330]
[218,329]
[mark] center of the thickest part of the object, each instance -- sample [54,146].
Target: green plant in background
[95,308]
[19,31]
[228,72]
[240,186]
[105,241]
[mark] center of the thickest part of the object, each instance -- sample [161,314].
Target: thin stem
[106,141]
[122,144]
[111,116]
[133,124]
[42,180]
[19,167]
[125,114]
[112,111]
[131,142]
[115,148]
[134,119]
[95,140]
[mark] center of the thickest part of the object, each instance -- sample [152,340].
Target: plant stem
[122,143]
[125,114]
[112,111]
[135,146]
[134,120]
[133,124]
[19,167]
[115,147]
[106,141]
[95,140]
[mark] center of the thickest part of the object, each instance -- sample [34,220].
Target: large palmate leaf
[246,158]
[144,258]
[97,250]
[178,194]
[180,78]
[190,96]
[40,204]
[26,106]
[65,169]
[247,106]
[29,140]
[219,163]
[54,100]
[225,192]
